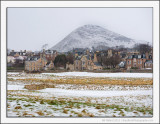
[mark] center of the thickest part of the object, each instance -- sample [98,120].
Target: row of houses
[139,61]
[33,61]
[84,59]
[42,61]
[88,60]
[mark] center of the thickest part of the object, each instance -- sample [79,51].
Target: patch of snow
[14,73]
[91,93]
[91,74]
[15,87]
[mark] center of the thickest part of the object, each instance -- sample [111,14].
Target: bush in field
[18,107]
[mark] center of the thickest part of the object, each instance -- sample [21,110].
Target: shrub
[18,107]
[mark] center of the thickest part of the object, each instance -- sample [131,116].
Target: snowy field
[70,97]
[91,74]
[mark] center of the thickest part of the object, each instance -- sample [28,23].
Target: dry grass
[25,113]
[65,111]
[80,115]
[118,81]
[91,115]
[40,113]
[18,107]
[38,86]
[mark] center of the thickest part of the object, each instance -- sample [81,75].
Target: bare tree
[142,48]
[45,46]
[106,61]
[115,60]
[70,58]
[112,61]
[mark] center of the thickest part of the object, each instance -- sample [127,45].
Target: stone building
[70,66]
[149,64]
[135,61]
[35,63]
[85,62]
[49,65]
[50,55]
[138,61]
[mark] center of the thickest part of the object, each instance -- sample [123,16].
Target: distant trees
[111,61]
[70,58]
[45,46]
[142,48]
[61,60]
[18,63]
[115,60]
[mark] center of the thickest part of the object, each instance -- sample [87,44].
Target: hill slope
[89,36]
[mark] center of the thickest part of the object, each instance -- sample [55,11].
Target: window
[128,62]
[150,57]
[140,62]
[134,60]
[83,63]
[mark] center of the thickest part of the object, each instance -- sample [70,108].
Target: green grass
[28,105]
[72,104]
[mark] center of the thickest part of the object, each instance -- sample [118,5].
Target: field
[79,94]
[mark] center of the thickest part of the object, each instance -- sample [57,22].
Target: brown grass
[40,113]
[18,107]
[80,115]
[65,111]
[91,115]
[25,113]
[118,81]
[38,86]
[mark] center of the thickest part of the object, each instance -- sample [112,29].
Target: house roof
[33,58]
[149,61]
[137,56]
[48,63]
[12,53]
[78,58]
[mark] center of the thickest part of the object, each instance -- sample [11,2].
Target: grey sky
[30,28]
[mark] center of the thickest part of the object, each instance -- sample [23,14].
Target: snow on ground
[79,100]
[13,73]
[91,93]
[15,87]
[91,74]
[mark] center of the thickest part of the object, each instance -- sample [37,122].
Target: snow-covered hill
[89,36]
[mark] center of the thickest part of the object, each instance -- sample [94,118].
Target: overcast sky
[30,28]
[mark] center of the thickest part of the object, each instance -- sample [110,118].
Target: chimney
[43,50]
[147,55]
[95,58]
[40,55]
[87,52]
[109,53]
